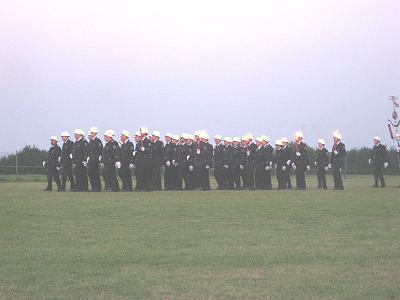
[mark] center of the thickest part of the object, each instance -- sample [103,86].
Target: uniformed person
[236,162]
[79,161]
[147,153]
[209,158]
[337,160]
[248,162]
[322,163]
[52,164]
[280,165]
[139,163]
[170,156]
[379,161]
[66,161]
[157,161]
[127,163]
[111,159]
[227,176]
[219,162]
[260,164]
[286,154]
[95,147]
[269,158]
[190,180]
[201,162]
[300,162]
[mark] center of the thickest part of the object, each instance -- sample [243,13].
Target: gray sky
[230,67]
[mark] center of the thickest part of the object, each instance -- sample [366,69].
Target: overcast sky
[230,67]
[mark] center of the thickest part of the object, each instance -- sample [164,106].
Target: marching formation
[239,163]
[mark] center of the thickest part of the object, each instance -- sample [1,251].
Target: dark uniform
[201,162]
[248,164]
[147,155]
[170,171]
[237,157]
[111,155]
[269,159]
[66,164]
[139,167]
[300,160]
[51,164]
[378,158]
[321,164]
[227,177]
[337,162]
[127,149]
[79,161]
[156,163]
[285,157]
[260,162]
[189,176]
[219,163]
[95,147]
[279,164]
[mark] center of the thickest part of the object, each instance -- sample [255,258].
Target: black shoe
[47,190]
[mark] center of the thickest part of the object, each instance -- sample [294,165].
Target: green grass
[219,244]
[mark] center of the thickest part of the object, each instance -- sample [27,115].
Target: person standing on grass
[95,147]
[66,161]
[127,166]
[269,158]
[79,161]
[322,163]
[379,161]
[157,161]
[111,159]
[286,162]
[218,162]
[300,161]
[280,165]
[337,160]
[260,163]
[170,156]
[52,164]
[236,162]
[227,167]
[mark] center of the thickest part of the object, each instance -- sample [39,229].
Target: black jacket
[127,149]
[80,151]
[53,155]
[66,151]
[379,155]
[95,148]
[338,159]
[111,153]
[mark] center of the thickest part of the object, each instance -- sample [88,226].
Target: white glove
[118,164]
[370,161]
[315,163]
[298,153]
[58,168]
[248,153]
[289,162]
[134,153]
[44,163]
[308,168]
[188,157]
[294,167]
[191,168]
[73,166]
[270,163]
[168,163]
[329,166]
[175,163]
[142,149]
[385,165]
[283,168]
[207,167]
[131,166]
[241,167]
[59,159]
[101,165]
[70,156]
[340,169]
[267,168]
[326,168]
[88,159]
[84,163]
[335,152]
[100,158]
[226,167]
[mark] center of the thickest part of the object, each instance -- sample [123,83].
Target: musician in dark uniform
[170,157]
[227,176]
[79,161]
[201,162]
[66,161]
[95,147]
[189,177]
[157,161]
[280,165]
[111,159]
[337,160]
[146,146]
[139,163]
[52,164]
[379,161]
[322,163]
[218,162]
[300,162]
[127,165]
[237,157]
[260,162]
[286,154]
[269,159]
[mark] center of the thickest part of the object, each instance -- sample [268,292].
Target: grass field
[196,245]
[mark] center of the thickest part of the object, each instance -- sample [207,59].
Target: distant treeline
[30,160]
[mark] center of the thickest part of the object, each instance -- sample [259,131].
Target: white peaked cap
[278,142]
[169,135]
[190,137]
[79,131]
[137,133]
[156,133]
[205,136]
[125,133]
[218,137]
[175,137]
[184,136]
[93,129]
[65,133]
[250,136]
[284,140]
[109,133]
[198,132]
[54,138]
[244,138]
[144,130]
[236,139]
[265,138]
[298,134]
[337,135]
[228,139]
[259,139]
[377,138]
[321,141]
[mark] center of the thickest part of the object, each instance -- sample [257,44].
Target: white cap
[236,139]
[170,135]
[109,133]
[228,139]
[298,134]
[198,133]
[190,137]
[125,133]
[54,138]
[79,131]
[93,130]
[336,134]
[156,133]
[244,138]
[321,141]
[377,138]
[175,137]
[265,138]
[249,136]
[65,133]
[205,136]
[278,142]
[218,137]
[184,136]
[144,130]
[284,140]
[137,133]
[259,139]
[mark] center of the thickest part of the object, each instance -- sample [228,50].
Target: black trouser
[66,172]
[147,172]
[126,177]
[189,178]
[94,176]
[156,177]
[219,177]
[337,177]
[378,174]
[202,177]
[260,178]
[321,178]
[300,176]
[52,173]
[111,175]
[248,174]
[81,180]
[268,179]
[139,174]
[181,175]
[228,178]
[170,178]
[235,173]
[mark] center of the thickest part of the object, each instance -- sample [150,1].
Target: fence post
[16,165]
